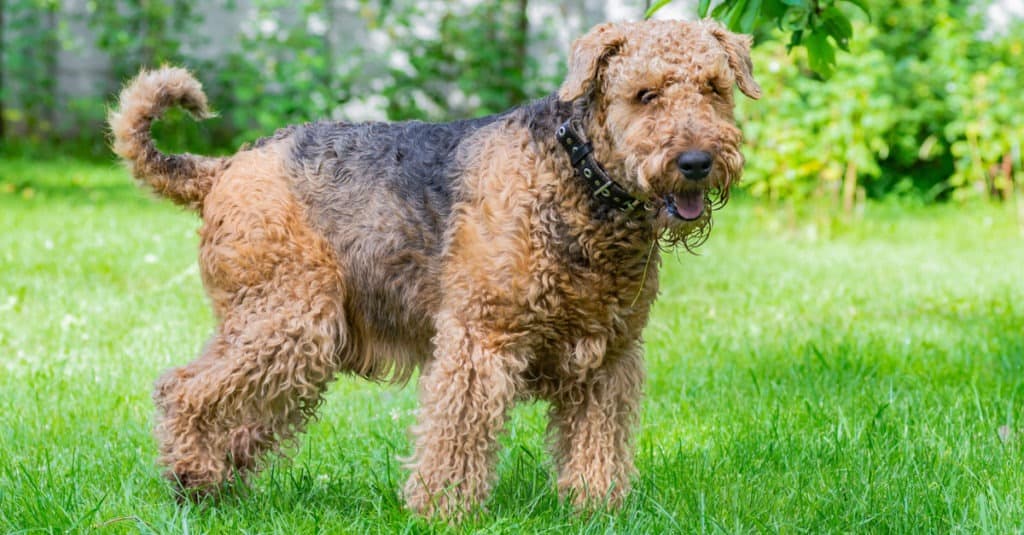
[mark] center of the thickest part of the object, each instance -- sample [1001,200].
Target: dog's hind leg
[276,287]
[257,383]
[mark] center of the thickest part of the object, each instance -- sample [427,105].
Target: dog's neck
[608,201]
[604,189]
[583,232]
[588,217]
[543,118]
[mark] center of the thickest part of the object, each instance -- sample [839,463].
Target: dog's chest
[589,291]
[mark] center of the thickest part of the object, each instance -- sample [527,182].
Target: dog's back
[379,173]
[382,194]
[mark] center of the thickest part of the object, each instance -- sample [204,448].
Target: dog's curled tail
[183,178]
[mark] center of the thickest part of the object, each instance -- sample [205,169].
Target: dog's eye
[645,96]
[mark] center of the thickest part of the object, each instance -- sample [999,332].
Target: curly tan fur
[468,249]
[184,178]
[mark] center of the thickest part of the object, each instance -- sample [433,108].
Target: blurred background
[926,106]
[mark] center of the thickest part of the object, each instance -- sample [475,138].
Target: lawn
[804,374]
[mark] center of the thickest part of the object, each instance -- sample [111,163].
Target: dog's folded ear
[589,54]
[738,48]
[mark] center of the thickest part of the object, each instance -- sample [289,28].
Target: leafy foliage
[476,64]
[919,107]
[286,71]
[28,57]
[817,140]
[820,26]
[144,33]
[920,100]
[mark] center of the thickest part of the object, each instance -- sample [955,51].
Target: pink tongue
[690,205]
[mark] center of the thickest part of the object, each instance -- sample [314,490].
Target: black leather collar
[604,189]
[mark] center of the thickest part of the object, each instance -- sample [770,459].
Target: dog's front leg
[592,423]
[465,392]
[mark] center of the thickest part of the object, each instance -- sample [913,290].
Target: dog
[507,257]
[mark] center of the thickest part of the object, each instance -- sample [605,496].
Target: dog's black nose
[695,164]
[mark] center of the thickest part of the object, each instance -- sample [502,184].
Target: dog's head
[658,100]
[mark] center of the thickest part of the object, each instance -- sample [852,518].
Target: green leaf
[721,9]
[736,13]
[750,14]
[702,8]
[820,54]
[655,7]
[838,26]
[833,17]
[863,7]
[795,18]
[794,40]
[774,10]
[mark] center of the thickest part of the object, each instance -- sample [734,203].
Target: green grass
[805,374]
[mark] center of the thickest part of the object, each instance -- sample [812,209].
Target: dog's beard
[686,234]
[691,234]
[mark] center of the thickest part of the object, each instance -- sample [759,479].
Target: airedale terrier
[508,257]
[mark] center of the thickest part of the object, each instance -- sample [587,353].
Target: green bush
[920,107]
[816,139]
